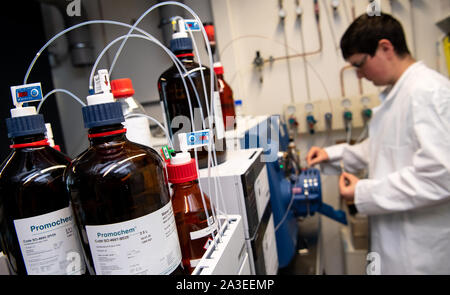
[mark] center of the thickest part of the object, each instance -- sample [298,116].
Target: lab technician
[407,153]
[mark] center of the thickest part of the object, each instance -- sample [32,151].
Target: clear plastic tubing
[75,27]
[205,37]
[176,61]
[132,28]
[59,90]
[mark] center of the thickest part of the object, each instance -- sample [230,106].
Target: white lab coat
[407,193]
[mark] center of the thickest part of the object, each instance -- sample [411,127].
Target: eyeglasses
[361,63]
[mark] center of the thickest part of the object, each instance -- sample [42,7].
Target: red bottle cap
[182,168]
[218,68]
[209,28]
[121,88]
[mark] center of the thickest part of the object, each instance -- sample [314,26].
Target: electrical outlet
[337,107]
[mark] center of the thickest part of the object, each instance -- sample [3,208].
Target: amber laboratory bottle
[226,98]
[194,232]
[37,229]
[121,200]
[175,102]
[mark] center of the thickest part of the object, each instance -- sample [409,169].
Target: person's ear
[386,47]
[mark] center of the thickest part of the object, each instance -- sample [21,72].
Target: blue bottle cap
[181,44]
[26,125]
[102,114]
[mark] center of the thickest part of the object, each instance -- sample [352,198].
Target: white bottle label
[138,130]
[49,244]
[145,245]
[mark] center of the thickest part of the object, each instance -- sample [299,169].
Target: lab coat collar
[392,90]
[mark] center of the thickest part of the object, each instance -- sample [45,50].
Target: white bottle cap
[178,35]
[180,158]
[23,111]
[100,98]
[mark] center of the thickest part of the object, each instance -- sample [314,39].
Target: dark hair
[363,34]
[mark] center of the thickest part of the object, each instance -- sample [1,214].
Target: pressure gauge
[291,110]
[309,107]
[346,103]
[365,101]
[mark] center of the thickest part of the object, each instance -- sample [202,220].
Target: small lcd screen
[23,94]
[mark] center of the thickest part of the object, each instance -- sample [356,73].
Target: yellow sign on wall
[446,43]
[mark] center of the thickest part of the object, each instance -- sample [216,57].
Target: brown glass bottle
[32,187]
[226,99]
[113,184]
[194,233]
[175,103]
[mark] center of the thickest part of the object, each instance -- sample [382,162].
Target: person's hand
[347,185]
[316,155]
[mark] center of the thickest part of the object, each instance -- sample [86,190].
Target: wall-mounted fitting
[316,10]
[293,122]
[366,115]
[328,120]
[292,126]
[311,121]
[281,11]
[258,62]
[365,101]
[348,116]
[346,103]
[335,5]
[282,14]
[298,9]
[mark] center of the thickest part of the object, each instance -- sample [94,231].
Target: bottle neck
[185,185]
[33,140]
[185,55]
[107,133]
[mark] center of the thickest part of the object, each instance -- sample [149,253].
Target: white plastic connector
[23,111]
[181,30]
[180,158]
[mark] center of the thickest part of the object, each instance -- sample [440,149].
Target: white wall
[253,25]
